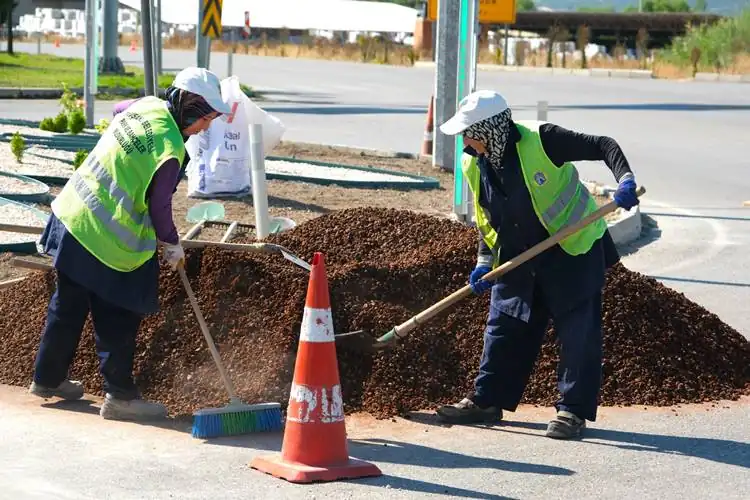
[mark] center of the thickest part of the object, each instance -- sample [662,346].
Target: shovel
[363,341]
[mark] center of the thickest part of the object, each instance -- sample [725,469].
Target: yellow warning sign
[490,11]
[211,22]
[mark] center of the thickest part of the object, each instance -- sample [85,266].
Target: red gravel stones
[383,266]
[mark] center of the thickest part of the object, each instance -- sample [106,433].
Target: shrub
[48,124]
[17,145]
[102,126]
[80,157]
[76,122]
[61,123]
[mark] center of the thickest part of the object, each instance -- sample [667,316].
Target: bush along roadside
[70,119]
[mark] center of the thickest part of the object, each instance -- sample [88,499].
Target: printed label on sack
[310,405]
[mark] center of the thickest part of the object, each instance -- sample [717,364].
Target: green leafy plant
[76,122]
[61,123]
[102,126]
[17,146]
[79,158]
[69,100]
[48,124]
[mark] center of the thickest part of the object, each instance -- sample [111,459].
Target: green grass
[35,71]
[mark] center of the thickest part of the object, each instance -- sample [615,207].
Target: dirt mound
[383,267]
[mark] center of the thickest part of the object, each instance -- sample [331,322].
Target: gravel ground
[14,185]
[32,163]
[660,348]
[13,214]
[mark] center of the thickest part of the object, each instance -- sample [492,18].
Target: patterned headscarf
[186,107]
[493,133]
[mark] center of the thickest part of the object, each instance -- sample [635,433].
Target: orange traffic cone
[429,129]
[57,43]
[315,447]
[132,46]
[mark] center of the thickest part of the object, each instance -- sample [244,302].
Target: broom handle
[204,329]
[403,329]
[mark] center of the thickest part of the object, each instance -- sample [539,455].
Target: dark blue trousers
[115,330]
[512,346]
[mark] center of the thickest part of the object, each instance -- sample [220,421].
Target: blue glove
[479,286]
[625,196]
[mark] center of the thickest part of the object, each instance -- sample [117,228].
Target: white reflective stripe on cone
[317,325]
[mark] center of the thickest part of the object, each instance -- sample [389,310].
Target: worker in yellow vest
[103,235]
[525,189]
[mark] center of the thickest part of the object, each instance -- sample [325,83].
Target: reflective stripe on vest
[132,241]
[562,201]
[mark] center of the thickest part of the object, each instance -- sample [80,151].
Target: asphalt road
[69,452]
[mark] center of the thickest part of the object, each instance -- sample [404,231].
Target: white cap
[474,108]
[204,83]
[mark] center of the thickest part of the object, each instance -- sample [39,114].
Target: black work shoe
[467,412]
[565,426]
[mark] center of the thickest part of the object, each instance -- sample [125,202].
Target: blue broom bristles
[233,420]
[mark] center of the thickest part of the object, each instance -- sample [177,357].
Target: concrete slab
[69,452]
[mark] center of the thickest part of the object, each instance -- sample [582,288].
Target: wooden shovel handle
[14,228]
[529,254]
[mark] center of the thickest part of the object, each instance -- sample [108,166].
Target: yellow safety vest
[103,205]
[558,196]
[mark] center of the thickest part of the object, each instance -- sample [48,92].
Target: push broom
[236,417]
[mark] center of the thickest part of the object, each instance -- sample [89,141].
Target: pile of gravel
[383,267]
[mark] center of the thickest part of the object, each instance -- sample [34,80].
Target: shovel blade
[361,341]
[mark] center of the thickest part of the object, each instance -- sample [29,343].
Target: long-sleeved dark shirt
[563,280]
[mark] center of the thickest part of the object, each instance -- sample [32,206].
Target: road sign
[211,22]
[246,28]
[490,11]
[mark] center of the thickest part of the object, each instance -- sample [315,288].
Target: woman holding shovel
[525,189]
[103,235]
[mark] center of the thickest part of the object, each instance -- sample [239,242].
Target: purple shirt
[159,192]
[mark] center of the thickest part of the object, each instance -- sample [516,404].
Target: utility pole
[158,47]
[89,62]
[148,48]
[110,62]
[202,43]
[445,81]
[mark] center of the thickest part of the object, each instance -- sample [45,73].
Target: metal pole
[202,46]
[541,111]
[230,52]
[445,81]
[110,61]
[466,69]
[39,42]
[157,38]
[505,47]
[87,63]
[148,48]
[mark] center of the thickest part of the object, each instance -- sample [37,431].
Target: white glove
[174,255]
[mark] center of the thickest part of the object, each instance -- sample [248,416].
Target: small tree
[583,35]
[552,35]
[641,45]
[17,146]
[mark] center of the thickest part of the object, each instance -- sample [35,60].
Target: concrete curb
[382,153]
[54,93]
[720,77]
[598,72]
[627,227]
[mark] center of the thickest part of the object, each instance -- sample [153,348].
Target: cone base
[301,473]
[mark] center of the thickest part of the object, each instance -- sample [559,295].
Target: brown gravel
[384,266]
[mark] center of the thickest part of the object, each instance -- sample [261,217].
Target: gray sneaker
[466,412]
[565,426]
[70,390]
[134,409]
